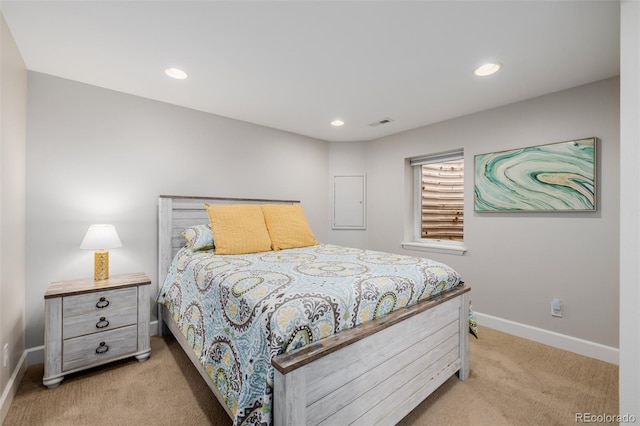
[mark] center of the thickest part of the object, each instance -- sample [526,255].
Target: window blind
[442,198]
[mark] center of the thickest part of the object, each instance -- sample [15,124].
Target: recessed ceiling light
[176,73]
[337,123]
[487,69]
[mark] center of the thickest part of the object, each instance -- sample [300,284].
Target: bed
[317,354]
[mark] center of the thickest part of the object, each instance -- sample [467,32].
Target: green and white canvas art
[554,177]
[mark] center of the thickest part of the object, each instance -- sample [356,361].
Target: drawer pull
[103,348]
[103,323]
[102,303]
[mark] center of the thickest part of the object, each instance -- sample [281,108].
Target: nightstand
[89,323]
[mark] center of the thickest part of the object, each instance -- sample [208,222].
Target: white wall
[630,208]
[99,156]
[13,102]
[517,262]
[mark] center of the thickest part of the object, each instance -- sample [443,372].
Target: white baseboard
[12,386]
[35,355]
[561,341]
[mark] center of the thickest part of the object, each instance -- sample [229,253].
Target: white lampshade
[101,237]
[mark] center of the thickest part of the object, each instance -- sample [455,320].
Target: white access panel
[349,202]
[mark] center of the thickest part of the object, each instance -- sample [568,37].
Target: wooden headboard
[176,212]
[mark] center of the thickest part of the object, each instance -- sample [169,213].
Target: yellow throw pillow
[287,226]
[238,228]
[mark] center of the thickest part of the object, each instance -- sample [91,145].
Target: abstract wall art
[554,177]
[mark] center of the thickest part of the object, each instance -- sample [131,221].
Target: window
[438,202]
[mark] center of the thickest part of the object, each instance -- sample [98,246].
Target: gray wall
[13,100]
[629,207]
[99,156]
[516,263]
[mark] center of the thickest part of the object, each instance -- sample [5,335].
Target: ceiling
[298,65]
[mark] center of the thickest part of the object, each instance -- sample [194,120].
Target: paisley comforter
[239,311]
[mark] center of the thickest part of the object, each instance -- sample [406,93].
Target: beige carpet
[513,382]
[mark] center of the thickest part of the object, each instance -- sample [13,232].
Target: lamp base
[101,265]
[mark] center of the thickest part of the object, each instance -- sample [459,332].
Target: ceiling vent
[383,121]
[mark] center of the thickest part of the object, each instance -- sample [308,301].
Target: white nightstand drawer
[97,348]
[99,301]
[99,311]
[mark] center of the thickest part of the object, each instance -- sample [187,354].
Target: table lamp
[100,238]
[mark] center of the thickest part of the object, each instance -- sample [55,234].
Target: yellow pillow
[238,228]
[287,226]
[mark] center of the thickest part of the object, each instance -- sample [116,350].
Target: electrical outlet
[556,308]
[5,355]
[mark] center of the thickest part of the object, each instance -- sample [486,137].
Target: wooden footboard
[378,372]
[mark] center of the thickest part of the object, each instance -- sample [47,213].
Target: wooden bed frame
[388,366]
